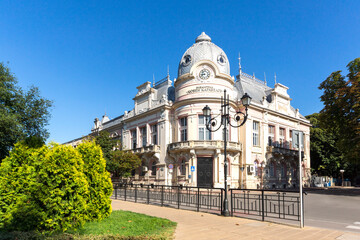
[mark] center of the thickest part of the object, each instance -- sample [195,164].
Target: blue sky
[89,56]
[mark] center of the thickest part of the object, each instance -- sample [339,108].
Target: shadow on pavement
[344,191]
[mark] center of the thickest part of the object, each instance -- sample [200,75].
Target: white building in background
[167,129]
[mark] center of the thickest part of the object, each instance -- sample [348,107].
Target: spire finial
[275,78]
[153,80]
[265,78]
[239,63]
[168,74]
[253,75]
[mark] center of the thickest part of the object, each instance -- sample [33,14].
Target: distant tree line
[335,134]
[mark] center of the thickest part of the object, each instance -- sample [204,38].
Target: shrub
[100,186]
[42,189]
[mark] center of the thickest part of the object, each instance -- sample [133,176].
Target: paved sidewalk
[198,225]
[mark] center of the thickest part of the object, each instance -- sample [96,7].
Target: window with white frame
[204,133]
[271,135]
[282,137]
[183,129]
[256,132]
[143,136]
[154,134]
[133,139]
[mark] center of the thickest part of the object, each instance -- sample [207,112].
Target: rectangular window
[290,139]
[256,139]
[271,135]
[282,137]
[133,139]
[143,136]
[183,129]
[204,133]
[154,134]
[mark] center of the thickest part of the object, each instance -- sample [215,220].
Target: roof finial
[275,78]
[168,75]
[265,78]
[153,80]
[239,63]
[253,75]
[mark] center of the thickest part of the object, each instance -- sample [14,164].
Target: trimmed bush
[43,189]
[100,186]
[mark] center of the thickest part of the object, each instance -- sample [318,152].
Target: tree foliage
[118,162]
[341,113]
[100,186]
[53,188]
[106,143]
[123,162]
[326,158]
[22,114]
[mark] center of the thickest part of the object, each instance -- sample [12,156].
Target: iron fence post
[231,202]
[125,192]
[263,205]
[178,202]
[284,205]
[135,193]
[162,195]
[279,204]
[115,192]
[221,204]
[148,194]
[198,199]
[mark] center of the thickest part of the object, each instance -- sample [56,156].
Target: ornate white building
[167,128]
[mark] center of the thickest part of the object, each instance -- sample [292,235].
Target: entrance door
[205,172]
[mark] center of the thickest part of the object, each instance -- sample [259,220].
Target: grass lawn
[129,224]
[120,225]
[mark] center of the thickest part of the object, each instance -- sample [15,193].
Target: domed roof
[203,49]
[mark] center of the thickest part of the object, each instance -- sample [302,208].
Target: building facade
[167,128]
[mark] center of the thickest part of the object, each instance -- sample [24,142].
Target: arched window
[153,168]
[182,167]
[283,170]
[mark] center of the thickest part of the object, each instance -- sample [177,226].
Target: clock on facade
[204,74]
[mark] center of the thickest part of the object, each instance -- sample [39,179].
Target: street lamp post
[342,176]
[240,118]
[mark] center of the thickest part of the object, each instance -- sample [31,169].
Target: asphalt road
[333,208]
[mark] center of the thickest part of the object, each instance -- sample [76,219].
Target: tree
[326,158]
[106,143]
[22,114]
[123,162]
[118,162]
[341,112]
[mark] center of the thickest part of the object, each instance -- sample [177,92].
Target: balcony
[199,144]
[147,149]
[283,149]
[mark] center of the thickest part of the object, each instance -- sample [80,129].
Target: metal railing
[185,197]
[262,204]
[249,203]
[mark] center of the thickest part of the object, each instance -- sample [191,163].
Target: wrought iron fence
[280,204]
[251,203]
[192,198]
